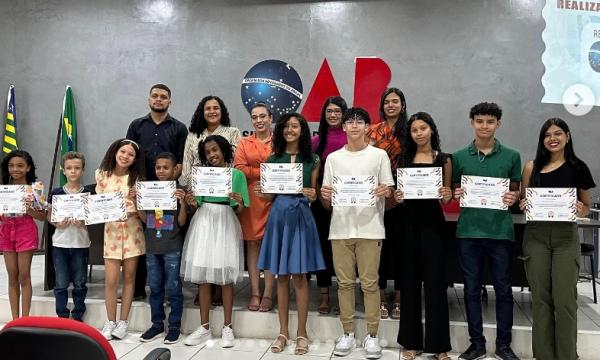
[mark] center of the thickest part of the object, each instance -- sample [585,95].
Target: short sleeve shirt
[501,162]
[72,236]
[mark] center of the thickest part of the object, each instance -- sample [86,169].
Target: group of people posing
[289,237]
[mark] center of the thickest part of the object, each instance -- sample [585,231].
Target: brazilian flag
[10,125]
[69,128]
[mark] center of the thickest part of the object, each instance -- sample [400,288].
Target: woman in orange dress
[251,152]
[386,135]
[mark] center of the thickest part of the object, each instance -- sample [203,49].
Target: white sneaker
[198,337]
[227,337]
[120,330]
[107,329]
[344,345]
[372,347]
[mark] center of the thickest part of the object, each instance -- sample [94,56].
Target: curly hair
[224,145]
[137,170]
[486,108]
[30,177]
[304,143]
[198,124]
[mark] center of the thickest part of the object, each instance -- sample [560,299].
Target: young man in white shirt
[356,232]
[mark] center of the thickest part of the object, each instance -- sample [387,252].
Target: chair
[45,338]
[589,250]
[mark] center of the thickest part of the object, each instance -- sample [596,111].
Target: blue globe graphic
[594,56]
[275,83]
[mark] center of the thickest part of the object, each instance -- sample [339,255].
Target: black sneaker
[151,334]
[474,352]
[505,353]
[173,336]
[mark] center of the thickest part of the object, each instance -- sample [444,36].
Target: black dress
[423,247]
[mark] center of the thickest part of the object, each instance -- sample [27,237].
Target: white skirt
[213,249]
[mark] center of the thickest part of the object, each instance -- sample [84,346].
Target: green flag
[69,128]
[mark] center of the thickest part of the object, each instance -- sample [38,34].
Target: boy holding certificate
[164,241]
[487,232]
[70,242]
[356,231]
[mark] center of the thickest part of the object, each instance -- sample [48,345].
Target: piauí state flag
[69,128]
[10,124]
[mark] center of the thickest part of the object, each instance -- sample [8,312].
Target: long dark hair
[402,117]
[542,155]
[409,146]
[304,144]
[323,125]
[222,143]
[137,170]
[198,124]
[29,177]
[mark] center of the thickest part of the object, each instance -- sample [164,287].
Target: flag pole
[49,271]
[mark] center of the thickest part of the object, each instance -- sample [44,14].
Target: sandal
[384,310]
[408,355]
[442,356]
[266,304]
[324,308]
[301,345]
[254,307]
[396,311]
[279,344]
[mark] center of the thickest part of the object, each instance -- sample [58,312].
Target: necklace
[66,190]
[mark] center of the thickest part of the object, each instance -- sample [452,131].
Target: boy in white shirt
[356,232]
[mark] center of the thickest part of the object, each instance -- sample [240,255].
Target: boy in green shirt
[487,232]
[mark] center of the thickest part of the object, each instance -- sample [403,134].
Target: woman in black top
[551,249]
[423,246]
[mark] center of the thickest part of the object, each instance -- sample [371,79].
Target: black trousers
[140,277]
[323,220]
[390,248]
[423,264]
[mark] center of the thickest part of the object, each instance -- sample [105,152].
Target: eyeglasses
[358,122]
[333,111]
[261,116]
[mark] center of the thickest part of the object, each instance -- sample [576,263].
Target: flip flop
[266,304]
[254,307]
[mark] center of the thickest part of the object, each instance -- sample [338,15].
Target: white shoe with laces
[227,337]
[372,347]
[344,345]
[198,337]
[120,330]
[107,329]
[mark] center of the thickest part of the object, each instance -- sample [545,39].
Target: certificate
[69,206]
[281,178]
[551,204]
[12,199]
[103,208]
[483,192]
[211,181]
[420,182]
[354,191]
[151,195]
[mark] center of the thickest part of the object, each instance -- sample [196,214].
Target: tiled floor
[130,348]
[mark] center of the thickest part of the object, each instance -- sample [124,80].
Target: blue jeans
[471,254]
[70,265]
[163,273]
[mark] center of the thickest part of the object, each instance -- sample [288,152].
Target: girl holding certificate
[251,152]
[291,242]
[213,250]
[19,233]
[551,248]
[424,247]
[386,135]
[124,241]
[331,138]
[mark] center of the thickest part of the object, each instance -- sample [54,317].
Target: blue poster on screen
[572,54]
